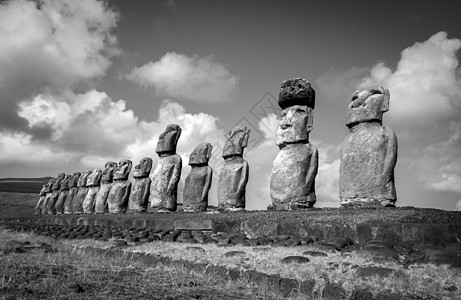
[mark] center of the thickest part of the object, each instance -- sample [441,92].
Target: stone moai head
[73,181]
[236,141]
[201,154]
[65,182]
[83,178]
[94,178]
[108,173]
[49,185]
[297,99]
[368,105]
[168,140]
[143,168]
[57,182]
[123,169]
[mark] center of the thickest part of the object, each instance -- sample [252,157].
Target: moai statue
[63,194]
[234,174]
[92,183]
[120,192]
[106,185]
[51,205]
[41,200]
[166,175]
[73,189]
[292,183]
[139,198]
[198,182]
[48,193]
[77,202]
[369,154]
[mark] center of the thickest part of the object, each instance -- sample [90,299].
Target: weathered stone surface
[253,229]
[374,271]
[234,174]
[292,184]
[93,181]
[72,184]
[104,189]
[51,204]
[120,192]
[193,224]
[63,194]
[41,200]
[295,259]
[198,182]
[369,154]
[139,197]
[165,178]
[77,202]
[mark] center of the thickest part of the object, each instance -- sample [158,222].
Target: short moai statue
[292,183]
[139,198]
[41,200]
[63,194]
[234,174]
[198,182]
[106,184]
[165,178]
[48,193]
[369,154]
[55,189]
[120,192]
[77,202]
[93,183]
[73,189]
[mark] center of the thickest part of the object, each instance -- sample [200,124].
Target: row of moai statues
[367,160]
[110,191]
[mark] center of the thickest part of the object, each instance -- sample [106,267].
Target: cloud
[193,78]
[50,46]
[458,205]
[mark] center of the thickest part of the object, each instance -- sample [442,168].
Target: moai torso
[63,194]
[48,194]
[51,205]
[139,197]
[165,178]
[41,200]
[92,183]
[198,182]
[120,191]
[105,187]
[72,184]
[234,173]
[77,202]
[292,183]
[369,154]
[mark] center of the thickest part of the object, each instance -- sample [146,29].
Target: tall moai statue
[55,189]
[198,182]
[77,202]
[48,193]
[369,154]
[73,189]
[139,198]
[292,183]
[165,178]
[106,184]
[93,183]
[234,174]
[120,192]
[63,194]
[41,200]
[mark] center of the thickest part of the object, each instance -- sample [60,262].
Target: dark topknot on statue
[296,91]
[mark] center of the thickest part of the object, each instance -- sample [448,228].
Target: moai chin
[106,184]
[234,173]
[139,197]
[198,182]
[48,193]
[369,154]
[93,184]
[41,200]
[73,189]
[120,192]
[292,183]
[51,205]
[165,178]
[63,194]
[77,202]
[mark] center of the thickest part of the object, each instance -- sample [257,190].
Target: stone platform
[395,226]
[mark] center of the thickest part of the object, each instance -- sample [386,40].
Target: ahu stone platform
[395,226]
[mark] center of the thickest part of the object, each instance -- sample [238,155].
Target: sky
[85,82]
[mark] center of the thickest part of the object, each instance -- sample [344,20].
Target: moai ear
[310,119]
[386,98]
[246,137]
[209,151]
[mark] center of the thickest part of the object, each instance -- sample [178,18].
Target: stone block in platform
[193,224]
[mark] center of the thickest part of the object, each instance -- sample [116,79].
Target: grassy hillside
[18,205]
